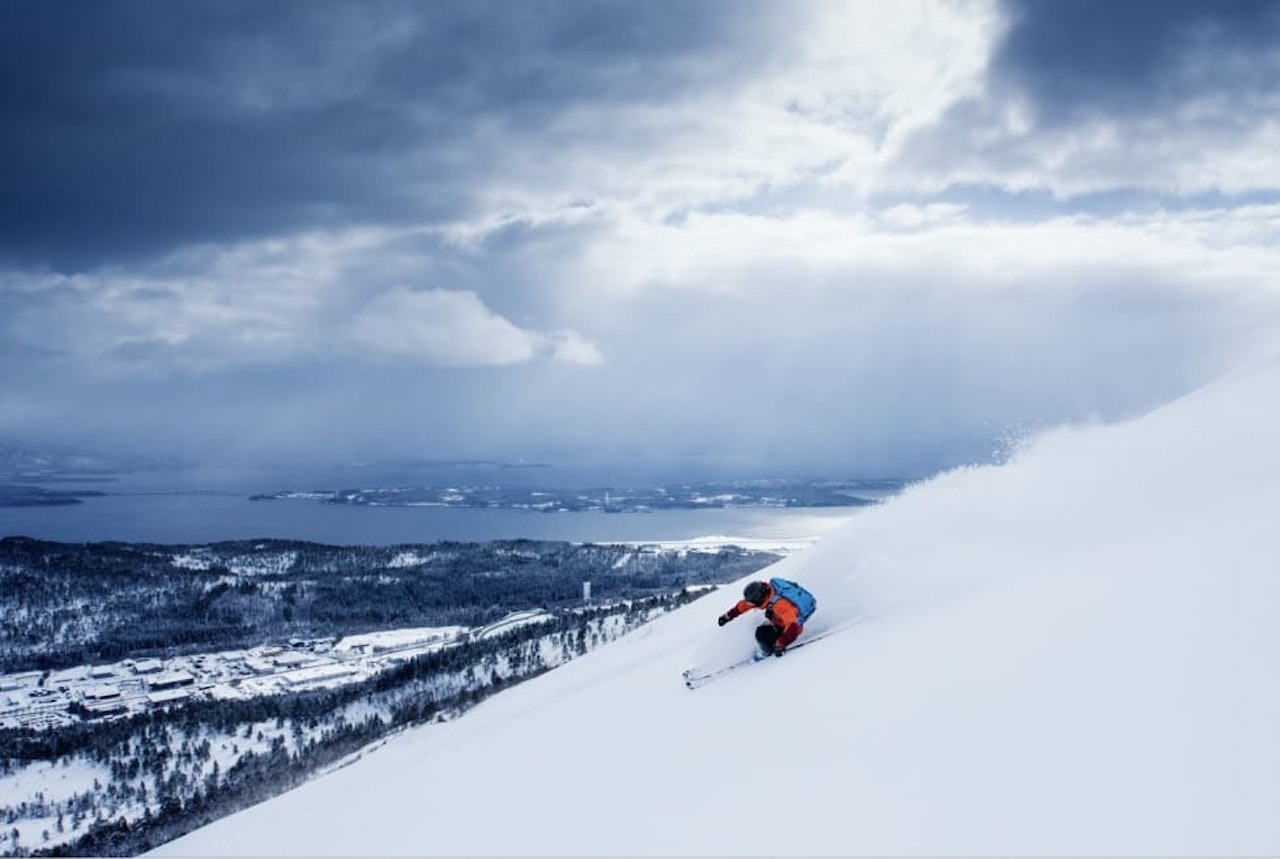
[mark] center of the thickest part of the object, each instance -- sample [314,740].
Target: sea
[195,506]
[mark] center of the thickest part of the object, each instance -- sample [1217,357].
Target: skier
[786,606]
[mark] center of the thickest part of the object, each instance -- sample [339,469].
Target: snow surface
[1074,653]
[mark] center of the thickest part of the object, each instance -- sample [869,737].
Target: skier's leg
[766,636]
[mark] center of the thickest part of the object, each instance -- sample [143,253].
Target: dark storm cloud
[1076,58]
[1113,105]
[132,127]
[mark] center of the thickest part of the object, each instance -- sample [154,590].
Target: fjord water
[212,504]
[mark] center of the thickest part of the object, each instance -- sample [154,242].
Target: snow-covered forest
[64,604]
[121,786]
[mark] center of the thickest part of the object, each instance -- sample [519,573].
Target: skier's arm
[739,608]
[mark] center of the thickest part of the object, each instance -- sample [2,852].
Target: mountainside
[64,604]
[1071,654]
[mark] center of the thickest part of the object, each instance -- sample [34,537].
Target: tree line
[64,604]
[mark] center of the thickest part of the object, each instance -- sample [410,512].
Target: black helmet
[756,593]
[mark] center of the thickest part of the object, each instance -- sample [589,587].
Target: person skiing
[786,606]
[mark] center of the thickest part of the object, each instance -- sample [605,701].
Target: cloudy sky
[863,238]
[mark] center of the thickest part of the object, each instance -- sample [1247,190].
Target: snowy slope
[1072,654]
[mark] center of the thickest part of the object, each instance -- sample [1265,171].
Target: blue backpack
[790,590]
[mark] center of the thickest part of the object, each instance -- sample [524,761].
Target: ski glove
[778,651]
[722,620]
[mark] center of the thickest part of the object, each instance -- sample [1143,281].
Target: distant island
[13,495]
[690,496]
[21,469]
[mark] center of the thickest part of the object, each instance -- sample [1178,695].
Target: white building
[167,696]
[317,674]
[170,680]
[105,708]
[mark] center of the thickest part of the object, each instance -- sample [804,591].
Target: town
[117,758]
[50,699]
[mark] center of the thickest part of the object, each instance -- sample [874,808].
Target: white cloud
[454,328]
[909,216]
[570,348]
[739,253]
[440,327]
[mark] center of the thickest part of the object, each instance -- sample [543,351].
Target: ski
[694,679]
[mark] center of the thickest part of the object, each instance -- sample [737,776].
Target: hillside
[1071,654]
[67,604]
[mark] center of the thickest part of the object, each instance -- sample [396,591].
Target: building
[167,696]
[292,660]
[148,666]
[317,674]
[103,700]
[105,708]
[25,678]
[170,680]
[259,666]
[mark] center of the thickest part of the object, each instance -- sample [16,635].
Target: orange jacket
[781,612]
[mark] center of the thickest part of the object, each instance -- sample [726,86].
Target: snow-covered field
[1071,654]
